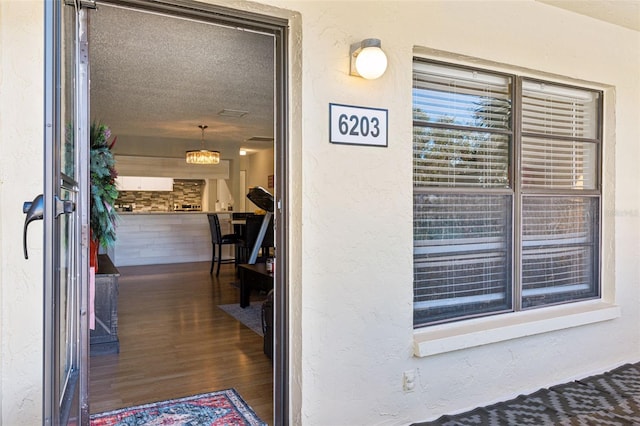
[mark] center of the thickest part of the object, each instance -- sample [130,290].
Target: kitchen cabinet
[143,183]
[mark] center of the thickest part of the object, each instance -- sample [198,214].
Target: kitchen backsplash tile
[185,192]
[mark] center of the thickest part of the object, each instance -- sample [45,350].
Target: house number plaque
[354,125]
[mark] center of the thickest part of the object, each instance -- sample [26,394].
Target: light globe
[371,62]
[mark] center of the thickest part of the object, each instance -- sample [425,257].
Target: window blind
[558,110]
[447,157]
[447,103]
[559,146]
[461,255]
[462,241]
[462,98]
[559,245]
[559,151]
[560,164]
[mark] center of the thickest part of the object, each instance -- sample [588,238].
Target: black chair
[251,230]
[218,240]
[239,228]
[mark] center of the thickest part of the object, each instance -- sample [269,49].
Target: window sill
[467,334]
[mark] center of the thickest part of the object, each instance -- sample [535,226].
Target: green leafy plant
[103,215]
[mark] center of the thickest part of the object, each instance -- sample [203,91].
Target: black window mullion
[560,137]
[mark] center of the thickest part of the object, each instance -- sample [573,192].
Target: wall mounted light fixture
[367,59]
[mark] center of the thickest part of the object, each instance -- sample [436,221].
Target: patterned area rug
[612,398]
[222,408]
[251,316]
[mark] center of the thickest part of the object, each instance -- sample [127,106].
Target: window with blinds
[467,195]
[462,128]
[559,248]
[462,261]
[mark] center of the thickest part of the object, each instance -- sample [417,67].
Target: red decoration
[93,254]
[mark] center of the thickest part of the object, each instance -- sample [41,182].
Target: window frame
[518,192]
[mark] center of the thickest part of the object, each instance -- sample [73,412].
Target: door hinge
[84,52]
[87,4]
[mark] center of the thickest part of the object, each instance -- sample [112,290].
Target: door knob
[34,211]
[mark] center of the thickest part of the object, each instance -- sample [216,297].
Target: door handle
[34,211]
[64,206]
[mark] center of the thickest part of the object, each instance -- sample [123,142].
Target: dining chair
[218,240]
[248,240]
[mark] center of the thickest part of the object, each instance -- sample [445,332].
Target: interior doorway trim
[279,29]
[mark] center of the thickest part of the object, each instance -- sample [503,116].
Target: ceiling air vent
[233,113]
[260,139]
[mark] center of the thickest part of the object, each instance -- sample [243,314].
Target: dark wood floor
[175,341]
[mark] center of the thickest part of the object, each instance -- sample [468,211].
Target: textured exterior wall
[21,162]
[356,262]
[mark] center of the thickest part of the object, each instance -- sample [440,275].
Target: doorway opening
[158,72]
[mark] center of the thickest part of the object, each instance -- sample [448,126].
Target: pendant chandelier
[203,156]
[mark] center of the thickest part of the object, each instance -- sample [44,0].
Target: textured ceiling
[154,79]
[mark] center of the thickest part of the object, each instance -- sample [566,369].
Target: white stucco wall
[356,265]
[21,162]
[351,209]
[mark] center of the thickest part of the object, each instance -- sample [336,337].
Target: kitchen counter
[171,212]
[150,238]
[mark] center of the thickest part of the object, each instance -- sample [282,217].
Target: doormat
[251,316]
[220,408]
[612,398]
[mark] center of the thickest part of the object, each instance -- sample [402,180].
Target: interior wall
[260,167]
[356,206]
[224,196]
[210,195]
[21,163]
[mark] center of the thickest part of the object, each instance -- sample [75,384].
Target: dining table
[255,276]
